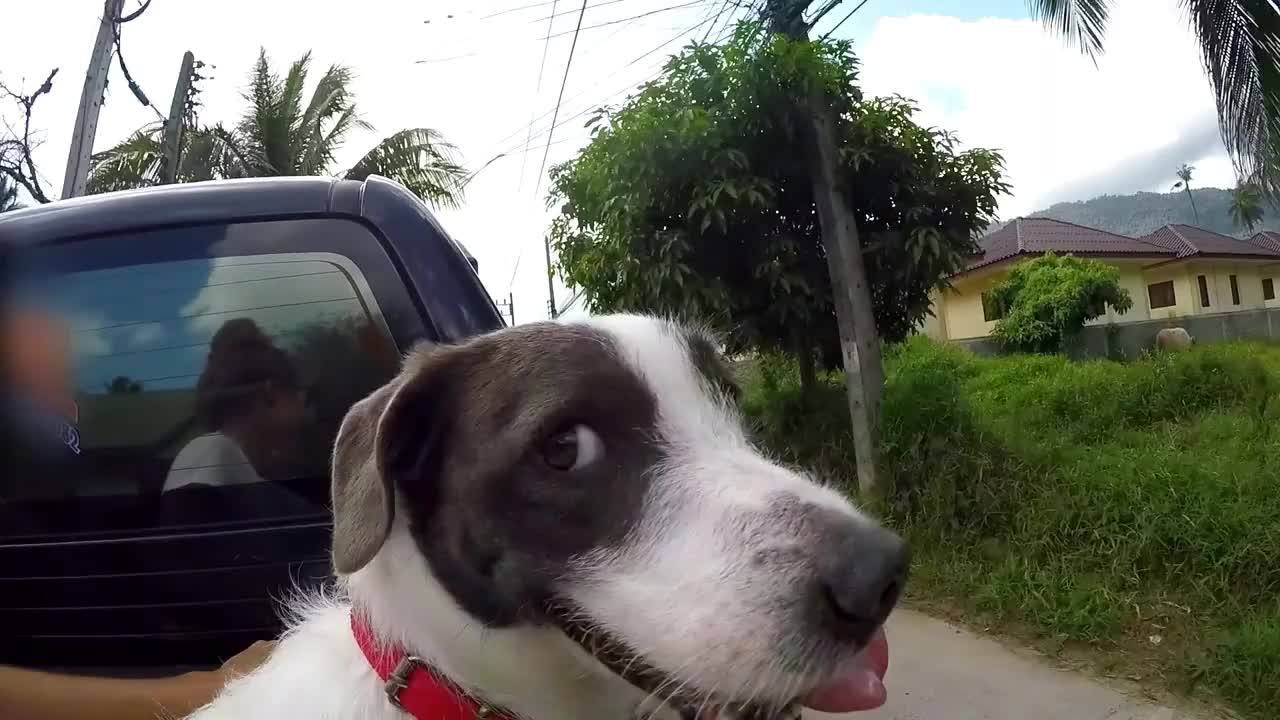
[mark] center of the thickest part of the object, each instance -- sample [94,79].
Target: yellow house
[1175,271]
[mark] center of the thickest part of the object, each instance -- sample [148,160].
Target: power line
[723,6]
[133,86]
[546,45]
[589,108]
[570,12]
[563,82]
[594,105]
[843,19]
[629,19]
[508,11]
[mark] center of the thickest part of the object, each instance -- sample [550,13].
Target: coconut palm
[1184,183]
[1240,47]
[1246,206]
[286,131]
[8,195]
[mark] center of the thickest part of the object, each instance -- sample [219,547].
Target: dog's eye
[572,448]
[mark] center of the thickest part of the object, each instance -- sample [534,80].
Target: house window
[1204,290]
[1161,295]
[1268,289]
[1235,291]
[991,310]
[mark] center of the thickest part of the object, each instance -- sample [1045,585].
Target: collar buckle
[398,679]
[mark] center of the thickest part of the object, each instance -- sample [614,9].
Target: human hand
[247,660]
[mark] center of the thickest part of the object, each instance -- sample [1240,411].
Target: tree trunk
[859,339]
[808,372]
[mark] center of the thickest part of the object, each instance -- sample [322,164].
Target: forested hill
[1143,212]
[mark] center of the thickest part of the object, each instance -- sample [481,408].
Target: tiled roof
[1269,239]
[1188,240]
[1032,236]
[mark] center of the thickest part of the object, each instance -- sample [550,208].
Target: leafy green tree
[1240,48]
[286,131]
[692,199]
[1184,183]
[1047,300]
[1246,206]
[8,195]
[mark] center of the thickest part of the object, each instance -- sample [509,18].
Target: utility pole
[91,98]
[859,340]
[509,305]
[171,142]
[551,286]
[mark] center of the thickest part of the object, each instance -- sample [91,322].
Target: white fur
[689,590]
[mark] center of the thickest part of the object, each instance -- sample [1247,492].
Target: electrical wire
[630,19]
[133,85]
[563,82]
[546,45]
[843,19]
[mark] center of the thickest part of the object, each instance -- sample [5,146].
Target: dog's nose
[861,577]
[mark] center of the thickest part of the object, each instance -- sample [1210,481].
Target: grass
[1129,509]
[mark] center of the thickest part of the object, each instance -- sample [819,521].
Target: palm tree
[1184,183]
[8,195]
[1246,206]
[285,131]
[1240,48]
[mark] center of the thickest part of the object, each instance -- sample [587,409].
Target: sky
[474,70]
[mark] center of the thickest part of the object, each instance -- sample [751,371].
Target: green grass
[1096,504]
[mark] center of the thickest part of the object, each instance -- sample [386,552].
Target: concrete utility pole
[91,98]
[551,286]
[509,305]
[171,143]
[859,340]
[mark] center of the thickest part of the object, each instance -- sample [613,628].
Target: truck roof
[193,203]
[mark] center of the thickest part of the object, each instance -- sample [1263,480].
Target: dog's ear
[386,436]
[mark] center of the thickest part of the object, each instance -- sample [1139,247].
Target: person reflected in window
[250,400]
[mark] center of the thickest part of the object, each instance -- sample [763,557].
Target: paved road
[940,672]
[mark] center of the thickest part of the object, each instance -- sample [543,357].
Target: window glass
[1161,295]
[202,390]
[991,310]
[1235,291]
[1204,290]
[1268,289]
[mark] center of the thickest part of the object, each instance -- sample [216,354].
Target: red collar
[414,686]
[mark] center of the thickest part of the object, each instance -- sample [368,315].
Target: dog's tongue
[861,687]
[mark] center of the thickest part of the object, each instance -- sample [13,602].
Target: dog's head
[597,477]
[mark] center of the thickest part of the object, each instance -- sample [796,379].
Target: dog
[568,520]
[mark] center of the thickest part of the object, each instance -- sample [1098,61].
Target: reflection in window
[216,372]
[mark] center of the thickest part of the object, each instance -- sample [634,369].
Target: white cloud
[1068,130]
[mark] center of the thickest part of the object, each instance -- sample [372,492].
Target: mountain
[1139,214]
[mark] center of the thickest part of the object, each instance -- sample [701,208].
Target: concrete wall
[1130,340]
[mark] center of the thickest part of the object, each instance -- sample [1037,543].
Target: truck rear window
[208,371]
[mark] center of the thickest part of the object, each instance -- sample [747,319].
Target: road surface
[938,671]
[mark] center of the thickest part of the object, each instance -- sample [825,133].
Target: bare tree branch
[16,159]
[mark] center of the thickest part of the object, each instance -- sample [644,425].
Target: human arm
[36,695]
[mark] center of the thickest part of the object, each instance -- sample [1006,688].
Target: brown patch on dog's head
[470,443]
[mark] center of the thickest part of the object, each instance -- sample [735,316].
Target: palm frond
[419,159]
[133,163]
[265,125]
[330,116]
[1081,22]
[1240,47]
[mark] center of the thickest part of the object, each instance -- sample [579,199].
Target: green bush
[1048,300]
[1084,500]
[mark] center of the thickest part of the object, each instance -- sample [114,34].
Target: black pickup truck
[219,331]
